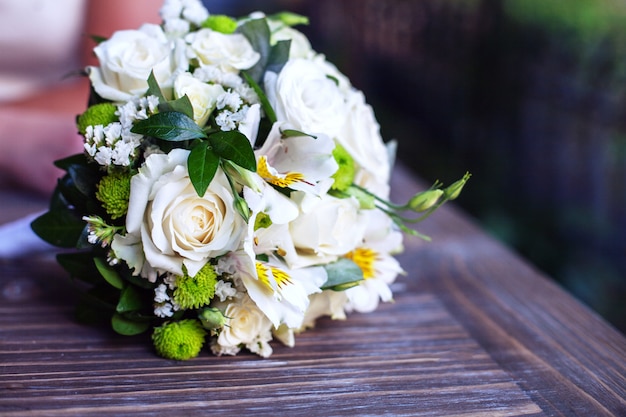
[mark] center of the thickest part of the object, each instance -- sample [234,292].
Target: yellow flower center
[281,278]
[282,181]
[365,258]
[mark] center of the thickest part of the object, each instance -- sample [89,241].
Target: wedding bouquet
[233,188]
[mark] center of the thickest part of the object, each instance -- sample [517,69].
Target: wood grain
[474,331]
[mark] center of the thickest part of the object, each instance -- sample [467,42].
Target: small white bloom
[160,293]
[229,99]
[163,310]
[224,290]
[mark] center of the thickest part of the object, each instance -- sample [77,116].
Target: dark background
[528,95]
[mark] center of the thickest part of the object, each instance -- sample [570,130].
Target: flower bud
[451,192]
[212,318]
[220,23]
[242,208]
[424,200]
[292,19]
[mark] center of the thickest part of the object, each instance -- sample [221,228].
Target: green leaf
[171,125]
[265,103]
[61,228]
[109,273]
[130,300]
[65,163]
[279,54]
[202,164]
[181,105]
[127,327]
[80,266]
[257,32]
[342,274]
[292,133]
[85,179]
[235,147]
[154,89]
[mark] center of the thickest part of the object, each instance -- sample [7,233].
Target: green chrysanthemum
[345,174]
[194,292]
[220,23]
[98,114]
[180,340]
[113,192]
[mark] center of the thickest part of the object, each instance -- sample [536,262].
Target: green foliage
[172,126]
[202,164]
[342,274]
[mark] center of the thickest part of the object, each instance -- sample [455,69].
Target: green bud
[242,208]
[242,176]
[220,23]
[344,176]
[424,200]
[212,318]
[98,114]
[291,19]
[451,192]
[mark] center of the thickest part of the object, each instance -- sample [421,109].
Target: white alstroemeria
[327,228]
[203,96]
[280,293]
[303,95]
[302,163]
[326,303]
[374,257]
[229,52]
[249,125]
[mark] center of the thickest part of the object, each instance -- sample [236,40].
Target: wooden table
[474,331]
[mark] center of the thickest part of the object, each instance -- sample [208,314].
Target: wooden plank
[473,331]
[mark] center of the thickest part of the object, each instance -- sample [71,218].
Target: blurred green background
[528,95]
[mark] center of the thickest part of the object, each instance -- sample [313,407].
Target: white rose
[177,227]
[300,46]
[248,326]
[328,227]
[203,96]
[304,96]
[126,60]
[361,137]
[228,52]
